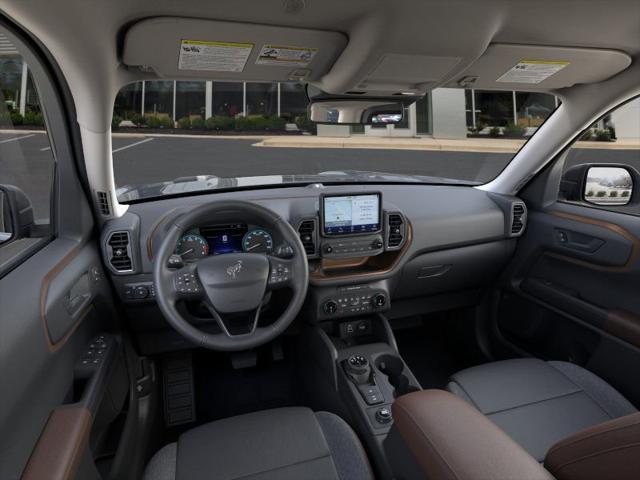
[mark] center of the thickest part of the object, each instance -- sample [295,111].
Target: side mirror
[16,214]
[608,186]
[603,185]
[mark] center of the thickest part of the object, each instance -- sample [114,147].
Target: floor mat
[433,351]
[222,391]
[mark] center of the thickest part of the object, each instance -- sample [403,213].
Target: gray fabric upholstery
[163,464]
[346,450]
[539,403]
[285,443]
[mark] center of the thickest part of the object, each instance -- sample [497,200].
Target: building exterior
[443,113]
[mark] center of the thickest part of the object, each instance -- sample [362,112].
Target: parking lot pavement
[26,160]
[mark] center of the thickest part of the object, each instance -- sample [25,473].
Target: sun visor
[532,68]
[180,48]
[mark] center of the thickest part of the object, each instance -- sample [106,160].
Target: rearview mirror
[608,186]
[360,112]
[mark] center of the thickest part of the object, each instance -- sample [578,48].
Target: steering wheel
[231,283]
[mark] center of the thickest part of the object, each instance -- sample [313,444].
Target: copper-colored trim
[624,325]
[612,227]
[375,266]
[153,232]
[44,290]
[333,263]
[59,450]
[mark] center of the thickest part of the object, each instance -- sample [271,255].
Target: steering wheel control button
[383,415]
[279,274]
[187,283]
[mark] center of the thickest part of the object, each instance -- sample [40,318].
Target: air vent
[518,218]
[103,203]
[307,232]
[396,231]
[119,254]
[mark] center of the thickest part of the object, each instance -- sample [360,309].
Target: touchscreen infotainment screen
[351,214]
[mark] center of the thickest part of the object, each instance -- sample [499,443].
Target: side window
[602,168]
[27,164]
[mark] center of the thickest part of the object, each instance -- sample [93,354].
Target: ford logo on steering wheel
[235,269]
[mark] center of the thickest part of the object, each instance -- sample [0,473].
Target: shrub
[33,118]
[5,118]
[184,122]
[495,132]
[625,193]
[306,125]
[133,117]
[244,124]
[115,122]
[613,193]
[276,124]
[151,121]
[220,122]
[513,130]
[588,135]
[197,123]
[16,118]
[590,193]
[603,135]
[167,122]
[601,193]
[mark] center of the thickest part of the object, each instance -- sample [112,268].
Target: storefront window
[227,99]
[128,102]
[423,116]
[262,99]
[293,100]
[534,108]
[158,98]
[10,79]
[494,109]
[190,99]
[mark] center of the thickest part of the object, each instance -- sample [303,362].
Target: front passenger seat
[285,444]
[539,403]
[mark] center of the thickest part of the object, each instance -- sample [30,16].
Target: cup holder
[393,367]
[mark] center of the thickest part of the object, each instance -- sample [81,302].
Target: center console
[355,370]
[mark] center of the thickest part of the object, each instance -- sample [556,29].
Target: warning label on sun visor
[285,56]
[214,56]
[532,71]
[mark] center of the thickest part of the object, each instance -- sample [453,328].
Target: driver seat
[284,443]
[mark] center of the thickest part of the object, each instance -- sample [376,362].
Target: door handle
[78,296]
[577,241]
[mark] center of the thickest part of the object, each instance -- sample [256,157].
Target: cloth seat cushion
[539,403]
[285,443]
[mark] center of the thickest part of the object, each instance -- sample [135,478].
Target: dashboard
[393,249]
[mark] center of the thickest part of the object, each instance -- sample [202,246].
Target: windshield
[176,137]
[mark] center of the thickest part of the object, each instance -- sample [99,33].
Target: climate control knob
[330,307]
[379,300]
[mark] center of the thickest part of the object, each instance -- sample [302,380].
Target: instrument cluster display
[221,239]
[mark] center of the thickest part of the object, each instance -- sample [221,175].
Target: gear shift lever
[358,368]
